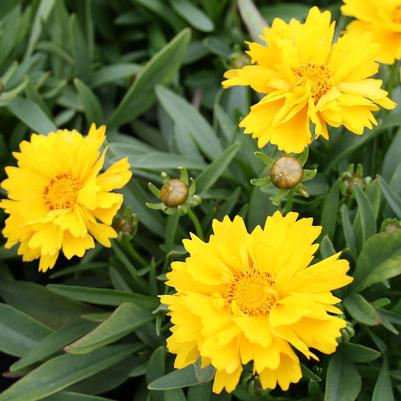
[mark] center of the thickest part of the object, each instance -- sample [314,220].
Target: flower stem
[289,202]
[196,223]
[134,253]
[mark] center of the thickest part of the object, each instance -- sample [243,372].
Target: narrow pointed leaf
[190,120]
[19,333]
[159,70]
[62,372]
[123,321]
[103,296]
[212,173]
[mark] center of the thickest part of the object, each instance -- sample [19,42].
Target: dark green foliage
[151,70]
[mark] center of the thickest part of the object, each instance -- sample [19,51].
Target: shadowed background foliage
[151,70]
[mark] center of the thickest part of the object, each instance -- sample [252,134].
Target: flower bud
[239,59]
[126,224]
[174,193]
[352,181]
[390,225]
[286,172]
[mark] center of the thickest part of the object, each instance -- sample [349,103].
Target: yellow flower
[252,298]
[382,20]
[307,79]
[58,199]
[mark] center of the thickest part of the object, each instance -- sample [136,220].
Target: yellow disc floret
[316,76]
[252,292]
[61,191]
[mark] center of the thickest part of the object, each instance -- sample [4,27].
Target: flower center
[61,191]
[319,77]
[252,292]
[396,17]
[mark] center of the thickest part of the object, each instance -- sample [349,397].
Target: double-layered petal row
[381,19]
[58,199]
[254,298]
[308,80]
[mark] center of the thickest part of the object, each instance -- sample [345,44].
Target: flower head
[252,298]
[58,200]
[382,20]
[308,79]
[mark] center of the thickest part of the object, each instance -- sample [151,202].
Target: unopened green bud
[286,172]
[390,225]
[174,193]
[126,224]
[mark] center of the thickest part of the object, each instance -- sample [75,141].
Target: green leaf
[326,248]
[204,375]
[185,143]
[43,12]
[159,70]
[183,113]
[52,344]
[348,231]
[201,392]
[109,74]
[361,310]
[80,49]
[155,160]
[329,212]
[351,143]
[380,259]
[163,10]
[31,115]
[19,333]
[123,321]
[139,282]
[92,107]
[212,173]
[393,157]
[136,198]
[228,128]
[6,6]
[359,353]
[383,389]
[285,11]
[227,207]
[193,15]
[252,18]
[174,395]
[103,296]
[156,367]
[343,381]
[41,304]
[70,396]
[391,196]
[8,96]
[62,372]
[373,193]
[178,378]
[260,206]
[366,214]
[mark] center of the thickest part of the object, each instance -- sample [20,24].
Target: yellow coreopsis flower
[58,198]
[382,20]
[308,79]
[252,298]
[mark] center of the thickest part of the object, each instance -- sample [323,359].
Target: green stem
[134,253]
[289,202]
[393,77]
[196,223]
